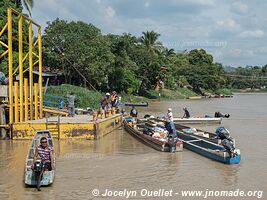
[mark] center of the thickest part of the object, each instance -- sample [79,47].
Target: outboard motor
[172,143]
[37,169]
[227,142]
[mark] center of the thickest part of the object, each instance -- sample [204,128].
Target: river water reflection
[118,161]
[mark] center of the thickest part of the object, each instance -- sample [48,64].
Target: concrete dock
[80,126]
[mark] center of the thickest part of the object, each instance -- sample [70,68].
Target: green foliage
[224,91]
[87,98]
[17,5]
[248,77]
[166,94]
[83,97]
[123,79]
[72,46]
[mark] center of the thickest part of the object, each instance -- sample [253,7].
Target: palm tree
[27,3]
[149,39]
[168,52]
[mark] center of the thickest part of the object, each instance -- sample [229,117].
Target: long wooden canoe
[157,144]
[208,149]
[30,177]
[190,131]
[198,120]
[203,145]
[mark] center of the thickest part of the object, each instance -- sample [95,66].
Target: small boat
[30,177]
[197,133]
[198,120]
[203,143]
[208,149]
[143,104]
[137,132]
[195,97]
[201,134]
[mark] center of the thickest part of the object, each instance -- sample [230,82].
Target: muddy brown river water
[120,163]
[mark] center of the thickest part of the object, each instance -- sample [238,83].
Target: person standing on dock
[71,106]
[105,101]
[186,113]
[169,116]
[114,99]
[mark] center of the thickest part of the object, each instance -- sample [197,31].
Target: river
[119,162]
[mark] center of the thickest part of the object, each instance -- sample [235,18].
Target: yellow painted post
[35,101]
[113,111]
[16,96]
[10,62]
[102,114]
[108,112]
[26,95]
[20,69]
[40,72]
[30,70]
[95,115]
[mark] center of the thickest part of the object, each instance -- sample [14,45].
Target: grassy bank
[249,90]
[88,98]
[165,94]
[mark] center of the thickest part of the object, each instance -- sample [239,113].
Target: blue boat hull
[208,149]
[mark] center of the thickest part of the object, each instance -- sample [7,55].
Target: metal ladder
[53,126]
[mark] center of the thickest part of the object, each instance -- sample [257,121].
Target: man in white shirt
[169,116]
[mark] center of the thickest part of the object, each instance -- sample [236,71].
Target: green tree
[78,48]
[150,40]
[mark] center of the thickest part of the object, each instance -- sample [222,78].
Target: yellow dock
[80,126]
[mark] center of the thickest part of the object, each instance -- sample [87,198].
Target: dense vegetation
[248,77]
[129,64]
[125,63]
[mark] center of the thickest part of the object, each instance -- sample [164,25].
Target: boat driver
[45,152]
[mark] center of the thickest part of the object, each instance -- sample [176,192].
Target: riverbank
[249,90]
[88,98]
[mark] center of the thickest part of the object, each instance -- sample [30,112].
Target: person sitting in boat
[114,99]
[186,113]
[45,152]
[169,116]
[219,114]
[133,112]
[226,140]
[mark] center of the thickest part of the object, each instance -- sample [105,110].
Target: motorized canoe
[190,131]
[30,177]
[137,132]
[198,120]
[203,143]
[143,104]
[208,149]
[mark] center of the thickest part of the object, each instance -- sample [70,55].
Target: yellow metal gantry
[25,97]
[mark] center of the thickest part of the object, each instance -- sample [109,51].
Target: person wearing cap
[169,116]
[105,101]
[186,113]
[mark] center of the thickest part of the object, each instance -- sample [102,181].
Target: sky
[233,31]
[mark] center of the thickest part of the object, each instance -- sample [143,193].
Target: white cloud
[240,7]
[183,21]
[252,34]
[110,11]
[228,24]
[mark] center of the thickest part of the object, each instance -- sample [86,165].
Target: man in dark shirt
[186,113]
